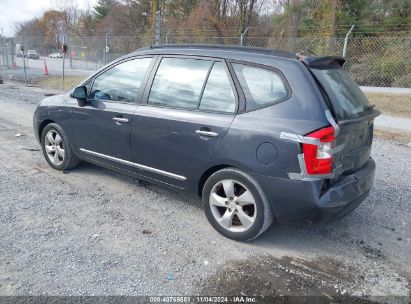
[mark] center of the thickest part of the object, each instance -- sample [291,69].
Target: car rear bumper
[302,201]
[347,194]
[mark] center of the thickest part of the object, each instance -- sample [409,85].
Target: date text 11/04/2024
[203,299]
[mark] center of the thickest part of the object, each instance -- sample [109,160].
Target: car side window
[122,82]
[179,82]
[261,87]
[218,93]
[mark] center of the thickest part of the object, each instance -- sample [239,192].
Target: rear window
[261,87]
[347,99]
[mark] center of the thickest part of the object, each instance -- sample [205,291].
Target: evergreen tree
[102,8]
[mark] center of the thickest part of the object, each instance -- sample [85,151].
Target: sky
[14,11]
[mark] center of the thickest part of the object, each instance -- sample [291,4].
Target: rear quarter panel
[302,113]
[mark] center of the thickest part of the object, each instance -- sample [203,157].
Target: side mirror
[80,93]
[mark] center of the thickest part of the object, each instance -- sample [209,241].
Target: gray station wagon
[258,134]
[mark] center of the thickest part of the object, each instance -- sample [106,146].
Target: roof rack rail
[268,51]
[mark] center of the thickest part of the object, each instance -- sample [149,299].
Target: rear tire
[235,205]
[57,149]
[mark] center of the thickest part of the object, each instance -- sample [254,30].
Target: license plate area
[361,137]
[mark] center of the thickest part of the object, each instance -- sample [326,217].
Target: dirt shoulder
[56,82]
[392,104]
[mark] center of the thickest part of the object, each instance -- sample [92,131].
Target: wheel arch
[210,171]
[43,124]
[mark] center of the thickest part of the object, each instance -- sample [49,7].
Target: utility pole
[64,49]
[156,19]
[70,51]
[158,27]
[155,7]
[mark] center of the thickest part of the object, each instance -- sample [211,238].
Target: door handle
[120,119]
[206,133]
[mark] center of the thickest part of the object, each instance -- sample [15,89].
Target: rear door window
[194,84]
[261,87]
[179,82]
[218,93]
[347,99]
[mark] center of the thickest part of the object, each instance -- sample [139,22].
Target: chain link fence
[380,61]
[372,61]
[94,51]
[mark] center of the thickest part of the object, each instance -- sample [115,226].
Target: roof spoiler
[321,61]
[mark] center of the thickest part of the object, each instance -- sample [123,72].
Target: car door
[189,104]
[102,127]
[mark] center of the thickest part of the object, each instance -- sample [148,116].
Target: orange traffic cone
[46,71]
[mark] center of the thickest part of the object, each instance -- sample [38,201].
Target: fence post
[24,68]
[5,45]
[168,33]
[242,36]
[24,51]
[346,40]
[3,48]
[12,50]
[87,57]
[106,50]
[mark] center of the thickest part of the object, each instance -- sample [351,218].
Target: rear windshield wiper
[369,107]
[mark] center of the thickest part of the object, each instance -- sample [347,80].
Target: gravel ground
[91,231]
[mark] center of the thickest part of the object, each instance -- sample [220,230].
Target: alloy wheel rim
[53,144]
[233,205]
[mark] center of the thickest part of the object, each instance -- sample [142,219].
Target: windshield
[347,99]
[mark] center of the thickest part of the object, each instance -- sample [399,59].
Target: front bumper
[36,123]
[302,201]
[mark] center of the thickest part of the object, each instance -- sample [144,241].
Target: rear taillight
[319,158]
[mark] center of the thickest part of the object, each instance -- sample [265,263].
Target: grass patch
[391,104]
[54,82]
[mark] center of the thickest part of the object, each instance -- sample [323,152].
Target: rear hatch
[350,109]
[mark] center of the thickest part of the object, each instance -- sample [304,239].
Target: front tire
[235,205]
[57,149]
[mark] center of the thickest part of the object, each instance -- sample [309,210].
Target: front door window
[122,82]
